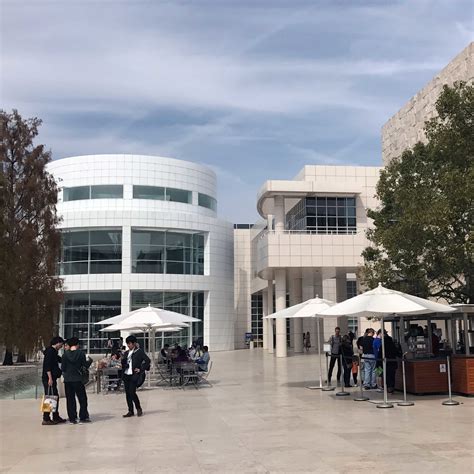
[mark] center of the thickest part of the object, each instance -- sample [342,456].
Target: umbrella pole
[315,387]
[385,403]
[149,338]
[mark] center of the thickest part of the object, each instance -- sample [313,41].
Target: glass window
[180,302]
[107,191]
[81,310]
[178,195]
[92,251]
[207,201]
[169,252]
[76,193]
[335,215]
[149,192]
[256,316]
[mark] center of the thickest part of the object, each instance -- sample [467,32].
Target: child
[355,368]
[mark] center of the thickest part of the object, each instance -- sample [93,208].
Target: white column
[265,322]
[295,288]
[308,292]
[280,303]
[270,344]
[279,209]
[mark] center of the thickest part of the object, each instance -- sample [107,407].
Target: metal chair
[189,374]
[110,380]
[203,376]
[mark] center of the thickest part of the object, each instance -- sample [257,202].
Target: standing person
[307,342]
[355,368]
[367,345]
[134,364]
[50,375]
[74,363]
[335,342]
[391,353]
[347,353]
[108,346]
[378,359]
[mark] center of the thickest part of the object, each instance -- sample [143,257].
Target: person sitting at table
[165,353]
[181,355]
[192,352]
[203,361]
[115,363]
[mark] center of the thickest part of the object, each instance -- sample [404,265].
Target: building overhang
[299,189]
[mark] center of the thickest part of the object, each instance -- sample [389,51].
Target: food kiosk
[427,342]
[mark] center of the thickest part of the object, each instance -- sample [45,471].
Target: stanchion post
[385,403]
[405,402]
[450,401]
[327,388]
[361,397]
[342,393]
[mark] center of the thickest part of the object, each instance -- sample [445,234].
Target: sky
[255,89]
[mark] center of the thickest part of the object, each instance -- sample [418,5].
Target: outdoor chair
[189,374]
[204,376]
[110,380]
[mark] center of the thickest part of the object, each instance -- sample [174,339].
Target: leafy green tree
[422,240]
[30,293]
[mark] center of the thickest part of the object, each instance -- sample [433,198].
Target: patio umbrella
[382,301]
[308,309]
[149,319]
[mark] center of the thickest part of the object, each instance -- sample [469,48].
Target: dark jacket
[139,361]
[72,364]
[347,352]
[51,363]
[367,345]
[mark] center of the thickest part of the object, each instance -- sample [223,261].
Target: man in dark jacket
[73,364]
[134,364]
[50,375]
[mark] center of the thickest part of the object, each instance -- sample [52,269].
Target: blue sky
[254,89]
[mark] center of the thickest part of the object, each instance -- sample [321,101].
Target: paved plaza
[257,417]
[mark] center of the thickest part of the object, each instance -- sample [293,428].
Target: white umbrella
[382,301]
[308,309]
[160,315]
[150,319]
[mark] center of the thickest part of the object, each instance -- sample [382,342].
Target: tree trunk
[20,358]
[8,359]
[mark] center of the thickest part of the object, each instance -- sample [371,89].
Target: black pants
[130,383]
[53,390]
[73,390]
[391,370]
[347,363]
[334,357]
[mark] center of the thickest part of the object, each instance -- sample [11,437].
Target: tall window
[100,191]
[91,251]
[351,291]
[80,312]
[159,193]
[323,215]
[188,303]
[207,201]
[167,252]
[257,314]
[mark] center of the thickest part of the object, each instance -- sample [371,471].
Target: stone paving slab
[258,417]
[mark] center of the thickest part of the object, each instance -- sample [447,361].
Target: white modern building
[309,243]
[141,230]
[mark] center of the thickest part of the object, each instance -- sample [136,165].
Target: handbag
[49,402]
[85,375]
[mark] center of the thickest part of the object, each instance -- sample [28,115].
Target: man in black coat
[50,375]
[134,364]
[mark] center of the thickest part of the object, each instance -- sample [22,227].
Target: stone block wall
[405,128]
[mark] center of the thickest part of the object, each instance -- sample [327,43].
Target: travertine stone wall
[405,128]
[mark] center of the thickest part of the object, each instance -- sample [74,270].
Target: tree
[422,240]
[30,293]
